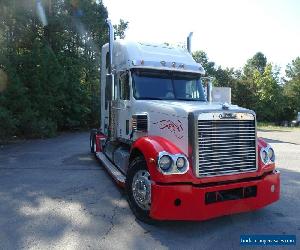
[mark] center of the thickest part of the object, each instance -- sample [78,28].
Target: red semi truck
[178,154]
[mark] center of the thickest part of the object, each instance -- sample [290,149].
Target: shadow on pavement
[46,208]
[281,217]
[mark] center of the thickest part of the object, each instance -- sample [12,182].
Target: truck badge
[227,116]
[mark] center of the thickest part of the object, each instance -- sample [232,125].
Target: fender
[261,143]
[99,137]
[150,146]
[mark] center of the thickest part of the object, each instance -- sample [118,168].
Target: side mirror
[208,87]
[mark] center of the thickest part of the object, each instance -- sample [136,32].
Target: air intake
[140,123]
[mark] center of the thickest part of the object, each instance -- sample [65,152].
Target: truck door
[124,110]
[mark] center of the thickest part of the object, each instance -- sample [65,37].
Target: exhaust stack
[189,42]
[110,81]
[111,40]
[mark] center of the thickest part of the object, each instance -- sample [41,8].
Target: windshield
[167,85]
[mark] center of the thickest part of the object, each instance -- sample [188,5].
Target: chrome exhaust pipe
[110,81]
[189,42]
[111,40]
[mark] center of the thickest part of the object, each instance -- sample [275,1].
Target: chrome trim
[242,115]
[110,44]
[141,189]
[111,168]
[173,169]
[134,123]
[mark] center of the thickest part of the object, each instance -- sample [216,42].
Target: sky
[229,31]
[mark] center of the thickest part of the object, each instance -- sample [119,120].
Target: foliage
[270,104]
[292,86]
[257,62]
[258,86]
[120,29]
[49,70]
[49,58]
[201,57]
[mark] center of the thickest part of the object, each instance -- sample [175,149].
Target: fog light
[273,188]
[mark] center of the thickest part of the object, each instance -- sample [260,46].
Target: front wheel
[138,188]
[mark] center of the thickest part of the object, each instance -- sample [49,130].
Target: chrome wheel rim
[141,189]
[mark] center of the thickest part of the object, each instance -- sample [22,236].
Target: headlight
[271,154]
[169,164]
[165,162]
[264,156]
[180,163]
[267,155]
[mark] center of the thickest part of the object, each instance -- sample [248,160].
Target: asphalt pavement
[55,195]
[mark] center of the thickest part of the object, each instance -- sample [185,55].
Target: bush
[8,124]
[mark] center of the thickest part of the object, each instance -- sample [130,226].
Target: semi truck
[178,154]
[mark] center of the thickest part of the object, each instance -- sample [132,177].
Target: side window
[124,87]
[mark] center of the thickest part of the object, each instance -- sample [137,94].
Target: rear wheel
[138,188]
[93,141]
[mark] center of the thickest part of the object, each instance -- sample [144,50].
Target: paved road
[55,195]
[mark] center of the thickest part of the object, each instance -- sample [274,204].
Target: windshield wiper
[150,98]
[188,99]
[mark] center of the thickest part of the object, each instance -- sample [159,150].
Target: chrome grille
[226,147]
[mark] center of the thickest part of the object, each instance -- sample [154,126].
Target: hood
[182,108]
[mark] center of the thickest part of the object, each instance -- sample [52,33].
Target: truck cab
[178,154]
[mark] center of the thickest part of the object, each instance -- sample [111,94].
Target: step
[112,169]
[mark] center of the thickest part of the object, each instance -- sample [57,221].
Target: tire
[92,141]
[134,178]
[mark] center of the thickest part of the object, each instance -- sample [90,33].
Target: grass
[272,126]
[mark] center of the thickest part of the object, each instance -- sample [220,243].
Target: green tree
[51,55]
[120,29]
[270,102]
[209,66]
[257,62]
[292,87]
[248,87]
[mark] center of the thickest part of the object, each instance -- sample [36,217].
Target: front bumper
[190,202]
